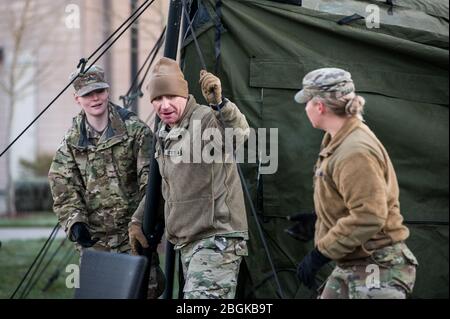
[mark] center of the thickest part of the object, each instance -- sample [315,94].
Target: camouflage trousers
[211,267]
[389,273]
[157,280]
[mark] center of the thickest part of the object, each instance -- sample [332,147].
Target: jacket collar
[116,130]
[329,144]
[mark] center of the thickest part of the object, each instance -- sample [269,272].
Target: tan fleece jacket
[202,199]
[355,195]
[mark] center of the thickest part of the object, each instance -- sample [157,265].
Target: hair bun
[355,106]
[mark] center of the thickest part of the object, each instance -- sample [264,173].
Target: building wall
[84,41]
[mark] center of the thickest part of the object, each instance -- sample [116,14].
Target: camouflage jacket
[101,185]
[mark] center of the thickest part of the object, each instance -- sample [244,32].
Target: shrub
[33,195]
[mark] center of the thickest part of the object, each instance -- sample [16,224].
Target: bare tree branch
[5,88]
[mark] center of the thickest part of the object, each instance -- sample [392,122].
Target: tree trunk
[10,191]
[18,37]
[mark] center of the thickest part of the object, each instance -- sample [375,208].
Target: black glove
[304,229]
[80,233]
[309,266]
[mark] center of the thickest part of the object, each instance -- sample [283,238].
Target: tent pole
[154,182]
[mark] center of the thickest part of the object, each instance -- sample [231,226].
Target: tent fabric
[402,71]
[419,15]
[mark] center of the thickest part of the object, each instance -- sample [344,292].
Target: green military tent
[262,49]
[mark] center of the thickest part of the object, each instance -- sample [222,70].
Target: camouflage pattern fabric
[100,181]
[389,273]
[157,280]
[92,79]
[104,245]
[327,83]
[211,267]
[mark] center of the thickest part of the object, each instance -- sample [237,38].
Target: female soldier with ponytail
[356,197]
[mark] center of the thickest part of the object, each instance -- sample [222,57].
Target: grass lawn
[39,219]
[17,255]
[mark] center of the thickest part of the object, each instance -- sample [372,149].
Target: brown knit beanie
[166,78]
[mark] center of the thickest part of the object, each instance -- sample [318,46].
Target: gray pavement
[22,233]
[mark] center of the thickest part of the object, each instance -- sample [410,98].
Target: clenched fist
[211,87]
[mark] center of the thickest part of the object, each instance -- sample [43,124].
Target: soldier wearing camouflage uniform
[204,205]
[356,195]
[99,173]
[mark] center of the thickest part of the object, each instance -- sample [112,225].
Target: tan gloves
[137,238]
[211,87]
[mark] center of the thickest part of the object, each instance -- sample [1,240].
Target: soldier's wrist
[134,222]
[220,105]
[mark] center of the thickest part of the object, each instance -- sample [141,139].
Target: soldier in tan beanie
[204,204]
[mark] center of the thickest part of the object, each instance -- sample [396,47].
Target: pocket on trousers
[409,256]
[241,248]
[388,256]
